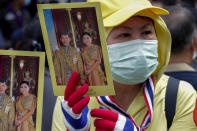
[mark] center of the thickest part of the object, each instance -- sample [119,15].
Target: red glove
[107,120]
[74,107]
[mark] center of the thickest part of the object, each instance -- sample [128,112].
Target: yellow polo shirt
[183,119]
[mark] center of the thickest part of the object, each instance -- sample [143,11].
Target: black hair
[86,33]
[65,33]
[24,82]
[3,81]
[181,24]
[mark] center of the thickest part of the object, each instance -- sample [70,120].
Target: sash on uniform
[67,60]
[23,111]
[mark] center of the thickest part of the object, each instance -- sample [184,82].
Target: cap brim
[124,14]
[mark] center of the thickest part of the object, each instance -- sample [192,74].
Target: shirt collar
[179,67]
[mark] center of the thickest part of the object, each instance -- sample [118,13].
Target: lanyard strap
[148,92]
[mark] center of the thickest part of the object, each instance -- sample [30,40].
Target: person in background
[13,17]
[181,24]
[7,109]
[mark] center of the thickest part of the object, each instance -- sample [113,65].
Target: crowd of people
[125,25]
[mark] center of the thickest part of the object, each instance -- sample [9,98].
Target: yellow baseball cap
[116,12]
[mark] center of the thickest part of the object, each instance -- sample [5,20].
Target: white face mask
[132,62]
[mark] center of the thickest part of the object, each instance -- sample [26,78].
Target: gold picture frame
[76,18]
[17,60]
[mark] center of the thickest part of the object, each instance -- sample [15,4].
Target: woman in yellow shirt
[139,49]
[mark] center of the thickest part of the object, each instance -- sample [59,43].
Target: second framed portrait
[21,90]
[75,42]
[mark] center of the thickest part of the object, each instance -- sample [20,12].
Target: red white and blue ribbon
[148,92]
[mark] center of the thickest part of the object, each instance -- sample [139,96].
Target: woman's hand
[74,107]
[107,120]
[87,72]
[18,122]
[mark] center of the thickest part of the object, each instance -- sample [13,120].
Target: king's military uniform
[7,113]
[65,64]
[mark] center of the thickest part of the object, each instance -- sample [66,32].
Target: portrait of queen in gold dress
[91,54]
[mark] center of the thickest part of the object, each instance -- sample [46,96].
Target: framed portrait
[75,42]
[23,73]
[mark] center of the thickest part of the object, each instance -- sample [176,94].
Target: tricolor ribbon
[148,92]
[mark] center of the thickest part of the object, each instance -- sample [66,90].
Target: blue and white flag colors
[125,121]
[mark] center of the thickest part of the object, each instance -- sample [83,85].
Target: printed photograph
[19,86]
[74,44]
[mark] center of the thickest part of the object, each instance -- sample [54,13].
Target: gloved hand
[107,120]
[74,107]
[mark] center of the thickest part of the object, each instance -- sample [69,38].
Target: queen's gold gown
[91,55]
[23,106]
